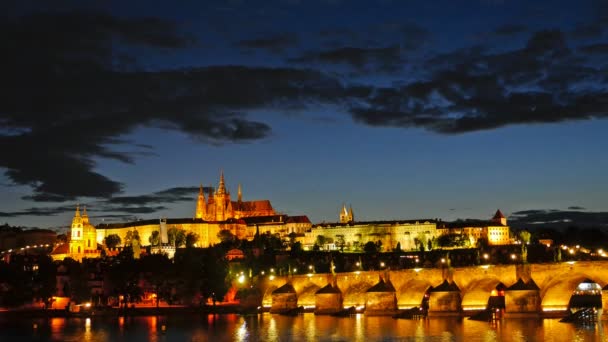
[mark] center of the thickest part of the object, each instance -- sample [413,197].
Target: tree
[112,240]
[370,247]
[191,239]
[340,242]
[321,240]
[128,238]
[177,237]
[154,239]
[525,239]
[225,236]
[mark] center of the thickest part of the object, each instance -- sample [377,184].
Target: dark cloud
[558,219]
[509,30]
[68,102]
[40,211]
[381,59]
[474,89]
[274,44]
[575,207]
[600,48]
[173,195]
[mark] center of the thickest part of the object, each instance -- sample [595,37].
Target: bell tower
[201,205]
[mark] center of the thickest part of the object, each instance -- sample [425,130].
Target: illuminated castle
[219,206]
[218,212]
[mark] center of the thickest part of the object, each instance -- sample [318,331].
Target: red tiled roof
[261,205]
[498,215]
[298,219]
[61,249]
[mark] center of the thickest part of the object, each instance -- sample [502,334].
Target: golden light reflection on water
[309,327]
[241,333]
[57,324]
[88,336]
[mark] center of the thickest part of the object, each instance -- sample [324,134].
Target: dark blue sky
[404,109]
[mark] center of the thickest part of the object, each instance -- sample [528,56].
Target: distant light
[241,279]
[271,277]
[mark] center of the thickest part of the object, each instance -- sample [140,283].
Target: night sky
[402,109]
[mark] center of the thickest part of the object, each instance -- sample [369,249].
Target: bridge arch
[412,292]
[556,294]
[478,292]
[354,295]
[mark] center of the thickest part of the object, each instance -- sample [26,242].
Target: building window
[88,243]
[78,249]
[78,233]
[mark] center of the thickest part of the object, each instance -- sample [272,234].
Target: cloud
[38,211]
[172,195]
[476,89]
[380,59]
[559,219]
[509,30]
[274,44]
[68,101]
[575,207]
[119,206]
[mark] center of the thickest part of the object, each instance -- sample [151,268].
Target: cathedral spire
[77,213]
[351,216]
[240,194]
[221,189]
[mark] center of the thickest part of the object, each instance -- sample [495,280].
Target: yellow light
[241,279]
[88,305]
[417,270]
[271,277]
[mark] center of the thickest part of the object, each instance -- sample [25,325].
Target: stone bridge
[554,286]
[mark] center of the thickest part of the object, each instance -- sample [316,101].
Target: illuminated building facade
[354,235]
[82,240]
[220,207]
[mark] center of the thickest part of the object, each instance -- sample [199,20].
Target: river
[307,327]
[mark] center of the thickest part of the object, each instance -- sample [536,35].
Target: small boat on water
[413,313]
[292,312]
[345,312]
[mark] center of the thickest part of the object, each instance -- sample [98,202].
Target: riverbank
[131,311]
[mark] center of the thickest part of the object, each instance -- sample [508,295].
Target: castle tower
[76,227]
[85,217]
[239,194]
[351,216]
[499,218]
[201,205]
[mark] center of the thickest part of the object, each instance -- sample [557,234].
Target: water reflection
[307,327]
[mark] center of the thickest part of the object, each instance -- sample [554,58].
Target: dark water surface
[307,327]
